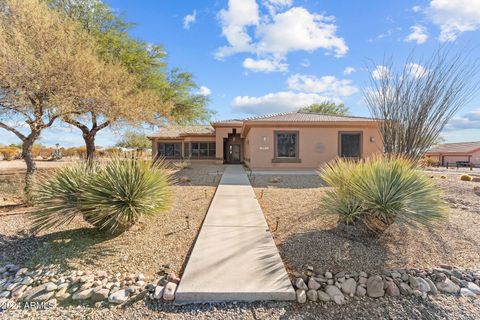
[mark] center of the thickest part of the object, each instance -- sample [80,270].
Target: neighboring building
[456,152]
[292,140]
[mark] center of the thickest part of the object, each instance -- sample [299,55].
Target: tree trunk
[31,166]
[89,139]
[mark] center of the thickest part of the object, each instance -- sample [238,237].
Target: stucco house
[467,152]
[293,140]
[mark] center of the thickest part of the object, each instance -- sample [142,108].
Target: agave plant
[123,191]
[381,190]
[56,196]
[111,195]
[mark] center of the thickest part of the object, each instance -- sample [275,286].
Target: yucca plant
[56,196]
[381,190]
[112,194]
[123,191]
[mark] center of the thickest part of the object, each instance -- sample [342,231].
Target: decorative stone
[30,294]
[375,287]
[172,278]
[349,287]
[473,288]
[417,283]
[328,275]
[301,296]
[169,292]
[141,277]
[4,294]
[313,285]
[362,280]
[50,286]
[99,294]
[433,288]
[361,291]
[447,286]
[405,289]
[464,292]
[158,292]
[323,296]
[43,297]
[300,284]
[119,296]
[312,295]
[335,294]
[392,289]
[83,294]
[62,295]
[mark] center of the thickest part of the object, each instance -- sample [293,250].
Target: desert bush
[111,195]
[379,191]
[180,165]
[428,162]
[10,153]
[466,177]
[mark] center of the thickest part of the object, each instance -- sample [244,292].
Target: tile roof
[172,131]
[298,116]
[459,147]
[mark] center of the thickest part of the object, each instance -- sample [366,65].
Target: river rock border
[50,286]
[418,282]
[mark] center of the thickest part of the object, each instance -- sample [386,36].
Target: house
[294,140]
[456,152]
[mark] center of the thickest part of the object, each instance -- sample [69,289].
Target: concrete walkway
[234,257]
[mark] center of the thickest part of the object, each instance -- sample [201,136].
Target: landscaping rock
[50,286]
[405,289]
[313,285]
[83,294]
[349,287]
[301,296]
[99,294]
[375,287]
[169,292]
[300,284]
[323,296]
[158,292]
[361,291]
[417,283]
[392,289]
[464,292]
[312,295]
[172,278]
[447,286]
[43,296]
[119,296]
[335,294]
[473,288]
[433,288]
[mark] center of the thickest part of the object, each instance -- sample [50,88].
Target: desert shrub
[77,152]
[180,165]
[10,153]
[42,152]
[379,191]
[466,177]
[428,162]
[111,195]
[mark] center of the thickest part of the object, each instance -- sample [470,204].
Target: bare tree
[417,100]
[46,64]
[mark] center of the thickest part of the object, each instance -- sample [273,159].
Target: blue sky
[255,57]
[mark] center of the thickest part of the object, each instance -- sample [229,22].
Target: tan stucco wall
[452,158]
[317,145]
[221,133]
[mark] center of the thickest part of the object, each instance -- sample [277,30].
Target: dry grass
[306,237]
[165,239]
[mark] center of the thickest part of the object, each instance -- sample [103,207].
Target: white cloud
[265,65]
[245,31]
[470,120]
[283,101]
[418,34]
[189,19]
[326,85]
[416,8]
[454,17]
[380,72]
[417,71]
[274,5]
[204,91]
[349,70]
[235,20]
[305,63]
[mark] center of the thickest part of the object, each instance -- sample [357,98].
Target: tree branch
[20,135]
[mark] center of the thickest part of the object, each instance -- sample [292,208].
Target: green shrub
[466,177]
[379,191]
[111,195]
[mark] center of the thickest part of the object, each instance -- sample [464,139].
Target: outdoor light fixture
[372,139]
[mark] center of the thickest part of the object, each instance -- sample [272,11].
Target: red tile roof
[299,117]
[460,147]
[181,131]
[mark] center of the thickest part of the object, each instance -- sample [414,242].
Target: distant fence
[461,165]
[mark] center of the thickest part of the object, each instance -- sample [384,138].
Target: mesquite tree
[417,100]
[46,64]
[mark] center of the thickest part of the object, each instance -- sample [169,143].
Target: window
[350,145]
[170,150]
[203,149]
[286,144]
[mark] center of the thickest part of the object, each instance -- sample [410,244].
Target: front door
[234,153]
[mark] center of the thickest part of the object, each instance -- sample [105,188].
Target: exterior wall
[317,145]
[473,158]
[221,133]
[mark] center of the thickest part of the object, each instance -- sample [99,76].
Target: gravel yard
[292,207]
[161,240]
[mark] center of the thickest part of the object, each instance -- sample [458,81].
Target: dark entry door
[234,153]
